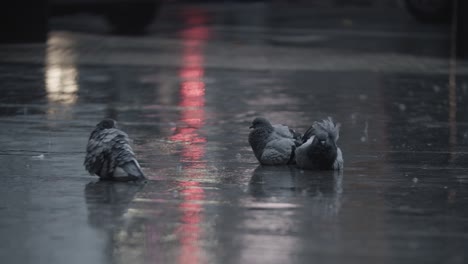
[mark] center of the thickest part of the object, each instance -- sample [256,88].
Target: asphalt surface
[186,94]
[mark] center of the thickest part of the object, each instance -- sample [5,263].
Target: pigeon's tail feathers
[133,169]
[327,126]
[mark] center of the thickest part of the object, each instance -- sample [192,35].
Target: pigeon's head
[324,141]
[260,122]
[106,124]
[323,150]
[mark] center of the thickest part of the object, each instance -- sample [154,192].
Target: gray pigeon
[319,149]
[109,155]
[273,144]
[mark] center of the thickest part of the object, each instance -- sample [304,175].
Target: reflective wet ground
[186,94]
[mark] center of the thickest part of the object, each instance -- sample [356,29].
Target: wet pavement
[186,93]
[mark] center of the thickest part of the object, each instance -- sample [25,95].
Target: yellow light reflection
[61,85]
[61,72]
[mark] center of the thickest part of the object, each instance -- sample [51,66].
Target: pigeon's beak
[322,142]
[252,126]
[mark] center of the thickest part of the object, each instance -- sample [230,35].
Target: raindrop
[347,22]
[414,245]
[366,132]
[415,180]
[402,107]
[436,88]
[39,157]
[354,118]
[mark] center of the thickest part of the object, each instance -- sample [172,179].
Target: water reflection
[108,201]
[61,71]
[192,101]
[324,187]
[61,84]
[108,204]
[287,207]
[438,207]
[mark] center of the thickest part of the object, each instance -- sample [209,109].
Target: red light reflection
[194,16]
[193,89]
[191,73]
[192,100]
[192,59]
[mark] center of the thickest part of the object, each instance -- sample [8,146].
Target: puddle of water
[186,99]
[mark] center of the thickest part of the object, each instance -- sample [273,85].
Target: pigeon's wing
[133,169]
[283,131]
[130,170]
[310,132]
[278,152]
[99,158]
[338,164]
[301,154]
[286,132]
[124,159]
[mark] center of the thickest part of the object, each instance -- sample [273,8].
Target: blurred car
[430,11]
[125,16]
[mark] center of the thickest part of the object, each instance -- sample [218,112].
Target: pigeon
[109,155]
[273,144]
[319,149]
